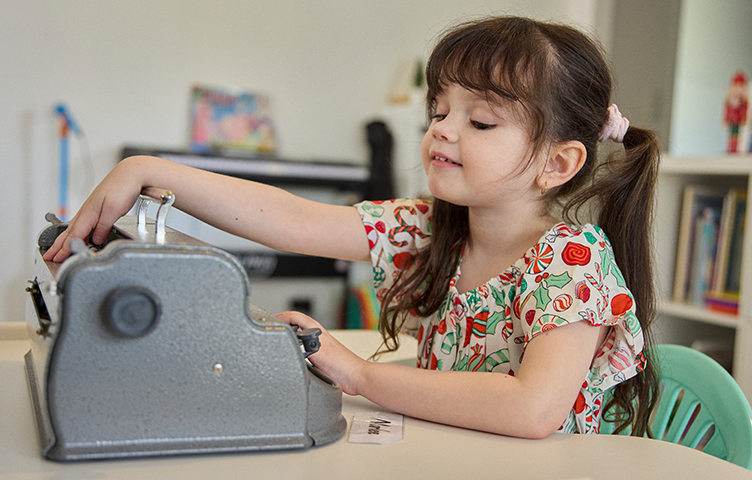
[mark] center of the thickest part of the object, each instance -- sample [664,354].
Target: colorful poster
[225,119]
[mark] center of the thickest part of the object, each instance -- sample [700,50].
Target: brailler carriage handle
[165,202]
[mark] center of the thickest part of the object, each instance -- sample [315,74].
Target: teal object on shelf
[701,406]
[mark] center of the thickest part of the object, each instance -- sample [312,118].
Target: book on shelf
[703,253]
[708,261]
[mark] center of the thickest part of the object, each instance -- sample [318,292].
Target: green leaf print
[608,264]
[541,297]
[512,293]
[498,297]
[559,281]
[603,235]
[473,299]
[494,320]
[462,362]
[590,238]
[605,260]
[619,277]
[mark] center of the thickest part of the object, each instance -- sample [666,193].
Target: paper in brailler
[378,428]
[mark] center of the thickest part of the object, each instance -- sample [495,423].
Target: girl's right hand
[109,201]
[332,358]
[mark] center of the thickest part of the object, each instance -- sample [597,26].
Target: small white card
[376,427]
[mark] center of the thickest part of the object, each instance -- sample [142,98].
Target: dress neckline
[518,264]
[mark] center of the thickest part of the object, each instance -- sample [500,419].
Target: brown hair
[560,82]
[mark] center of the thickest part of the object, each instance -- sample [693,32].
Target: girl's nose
[445,129]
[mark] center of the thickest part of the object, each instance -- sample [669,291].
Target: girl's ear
[564,161]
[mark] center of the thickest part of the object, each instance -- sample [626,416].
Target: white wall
[124,69]
[715,40]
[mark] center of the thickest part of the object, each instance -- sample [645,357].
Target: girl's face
[476,154]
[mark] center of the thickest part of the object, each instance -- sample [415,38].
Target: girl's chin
[439,193]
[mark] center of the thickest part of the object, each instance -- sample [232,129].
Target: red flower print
[621,304]
[402,260]
[579,404]
[576,254]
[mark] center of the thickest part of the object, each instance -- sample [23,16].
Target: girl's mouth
[441,159]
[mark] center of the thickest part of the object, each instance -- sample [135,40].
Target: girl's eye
[438,117]
[482,126]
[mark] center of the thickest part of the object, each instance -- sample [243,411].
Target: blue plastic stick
[66,126]
[63,198]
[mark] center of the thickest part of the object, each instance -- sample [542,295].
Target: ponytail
[625,194]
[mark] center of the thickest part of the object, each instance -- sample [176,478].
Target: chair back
[700,406]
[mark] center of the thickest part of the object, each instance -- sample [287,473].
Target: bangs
[504,61]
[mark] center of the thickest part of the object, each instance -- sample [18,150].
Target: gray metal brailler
[150,346]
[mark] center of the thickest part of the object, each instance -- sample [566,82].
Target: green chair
[701,406]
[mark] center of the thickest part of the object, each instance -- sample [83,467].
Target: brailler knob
[131,311]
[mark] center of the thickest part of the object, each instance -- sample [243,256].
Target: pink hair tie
[616,126]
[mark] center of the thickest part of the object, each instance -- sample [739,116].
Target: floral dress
[570,275]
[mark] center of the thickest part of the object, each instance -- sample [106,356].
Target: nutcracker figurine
[735,111]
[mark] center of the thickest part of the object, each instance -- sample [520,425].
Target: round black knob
[131,311]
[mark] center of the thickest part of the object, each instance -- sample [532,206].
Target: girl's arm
[531,404]
[259,212]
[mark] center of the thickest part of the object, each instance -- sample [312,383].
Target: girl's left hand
[333,358]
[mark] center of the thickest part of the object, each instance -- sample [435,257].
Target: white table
[428,450]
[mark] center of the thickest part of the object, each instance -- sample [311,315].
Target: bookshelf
[682,322]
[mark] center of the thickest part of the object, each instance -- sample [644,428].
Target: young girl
[487,275]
